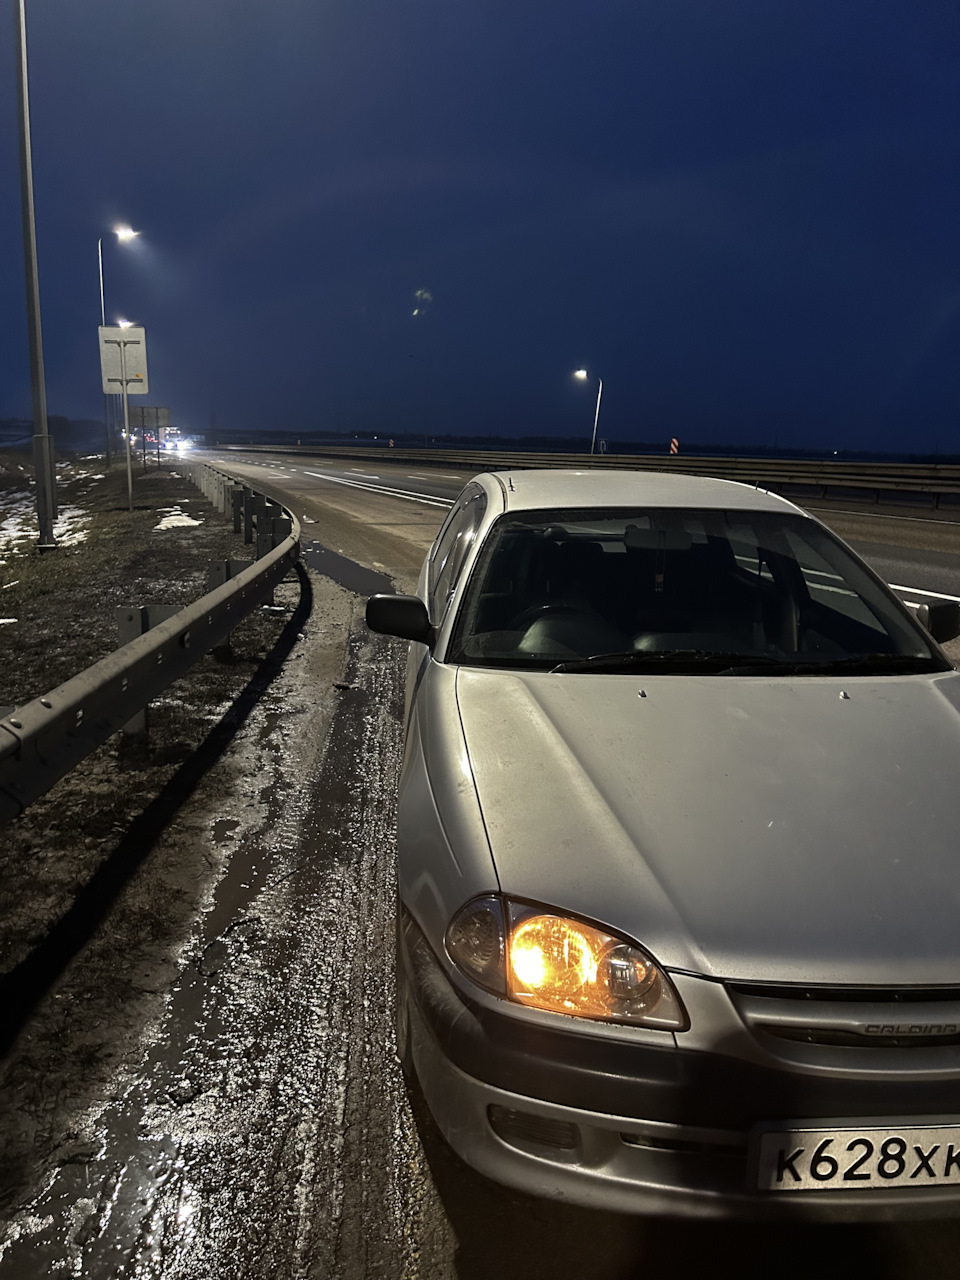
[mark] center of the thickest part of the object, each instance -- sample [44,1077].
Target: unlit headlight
[547,960]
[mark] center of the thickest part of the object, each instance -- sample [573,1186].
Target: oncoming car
[679,854]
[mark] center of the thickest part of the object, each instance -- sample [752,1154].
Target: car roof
[535,489]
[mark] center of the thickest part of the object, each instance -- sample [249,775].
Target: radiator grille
[852,1017]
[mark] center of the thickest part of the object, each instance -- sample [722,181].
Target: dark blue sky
[744,215]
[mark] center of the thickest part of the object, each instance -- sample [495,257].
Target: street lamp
[123,234]
[583,376]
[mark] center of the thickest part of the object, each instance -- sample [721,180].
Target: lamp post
[583,376]
[42,444]
[123,234]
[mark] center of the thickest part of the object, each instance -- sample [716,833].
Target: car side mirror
[402,616]
[941,619]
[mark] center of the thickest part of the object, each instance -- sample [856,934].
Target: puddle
[223,829]
[345,573]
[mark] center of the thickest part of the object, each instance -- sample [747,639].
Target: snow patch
[18,524]
[177,519]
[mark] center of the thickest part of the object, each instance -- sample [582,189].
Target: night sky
[424,215]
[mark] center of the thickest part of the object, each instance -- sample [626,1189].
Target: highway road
[916,554]
[268,1132]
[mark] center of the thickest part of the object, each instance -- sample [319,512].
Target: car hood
[803,829]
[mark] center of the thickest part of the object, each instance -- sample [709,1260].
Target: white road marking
[429,498]
[875,515]
[362,474]
[918,591]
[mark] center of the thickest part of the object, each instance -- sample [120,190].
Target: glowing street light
[584,376]
[123,234]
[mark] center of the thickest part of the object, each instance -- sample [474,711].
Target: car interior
[670,581]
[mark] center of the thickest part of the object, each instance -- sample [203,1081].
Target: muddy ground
[100,876]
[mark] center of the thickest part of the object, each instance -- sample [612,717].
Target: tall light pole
[123,234]
[583,376]
[42,444]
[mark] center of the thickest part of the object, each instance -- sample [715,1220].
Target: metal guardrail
[46,738]
[936,482]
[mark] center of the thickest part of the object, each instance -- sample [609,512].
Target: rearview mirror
[941,619]
[402,616]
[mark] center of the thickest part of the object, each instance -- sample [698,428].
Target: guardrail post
[282,528]
[249,511]
[134,621]
[259,505]
[236,497]
[221,571]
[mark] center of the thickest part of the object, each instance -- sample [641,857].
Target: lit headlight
[546,960]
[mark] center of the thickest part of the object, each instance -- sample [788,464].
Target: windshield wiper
[675,661]
[712,662]
[867,664]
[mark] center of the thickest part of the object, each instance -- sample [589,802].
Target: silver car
[679,854]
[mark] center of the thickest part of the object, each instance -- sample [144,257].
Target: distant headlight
[538,957]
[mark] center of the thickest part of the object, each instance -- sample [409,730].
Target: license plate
[855,1159]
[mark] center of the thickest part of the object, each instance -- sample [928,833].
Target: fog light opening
[525,1130]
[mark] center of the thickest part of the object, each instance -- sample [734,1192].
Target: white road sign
[133,365]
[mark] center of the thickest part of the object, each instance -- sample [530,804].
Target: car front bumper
[632,1128]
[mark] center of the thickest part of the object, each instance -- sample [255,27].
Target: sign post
[123,360]
[151,415]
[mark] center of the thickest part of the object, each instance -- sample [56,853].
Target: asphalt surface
[916,552]
[269,1132]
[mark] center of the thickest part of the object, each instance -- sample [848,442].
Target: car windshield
[678,591]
